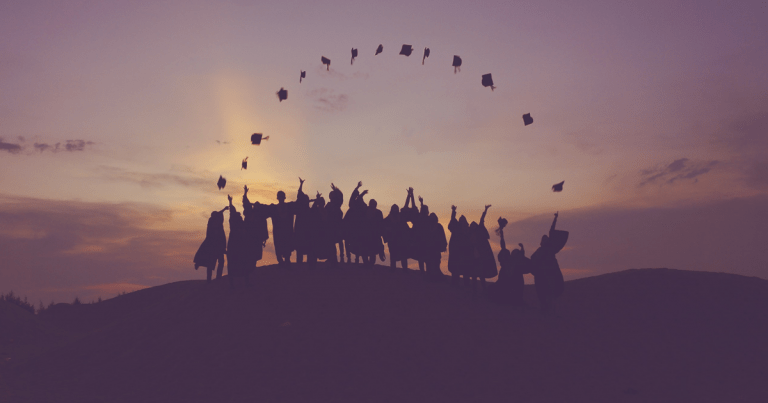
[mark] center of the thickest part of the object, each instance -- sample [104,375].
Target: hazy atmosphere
[117,120]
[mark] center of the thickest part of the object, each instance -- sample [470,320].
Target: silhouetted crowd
[317,230]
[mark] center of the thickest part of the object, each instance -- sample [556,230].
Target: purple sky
[117,120]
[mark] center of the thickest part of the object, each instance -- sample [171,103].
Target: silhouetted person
[302,233]
[545,269]
[353,222]
[395,232]
[323,247]
[435,244]
[460,251]
[410,215]
[509,286]
[256,230]
[214,246]
[420,235]
[282,228]
[371,231]
[336,219]
[484,266]
[237,246]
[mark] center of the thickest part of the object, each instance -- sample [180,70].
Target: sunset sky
[117,120]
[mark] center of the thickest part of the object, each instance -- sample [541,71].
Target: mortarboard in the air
[456,64]
[426,55]
[303,75]
[527,119]
[326,61]
[221,183]
[406,50]
[379,49]
[354,55]
[256,138]
[558,187]
[282,94]
[488,81]
[245,163]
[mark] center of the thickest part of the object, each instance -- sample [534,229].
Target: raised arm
[301,185]
[355,193]
[232,208]
[552,229]
[522,249]
[246,202]
[407,197]
[453,213]
[224,209]
[502,243]
[482,218]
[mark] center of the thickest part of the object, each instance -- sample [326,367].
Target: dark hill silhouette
[363,334]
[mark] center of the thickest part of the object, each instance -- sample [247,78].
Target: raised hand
[301,181]
[245,187]
[521,245]
[453,208]
[319,195]
[229,198]
[226,208]
[421,200]
[333,186]
[359,184]
[410,191]
[556,214]
[487,206]
[365,192]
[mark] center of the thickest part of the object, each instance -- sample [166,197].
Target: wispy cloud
[156,180]
[9,147]
[68,145]
[327,100]
[681,168]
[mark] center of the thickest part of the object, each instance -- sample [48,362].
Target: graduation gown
[459,249]
[215,244]
[484,262]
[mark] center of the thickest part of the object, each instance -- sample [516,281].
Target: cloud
[721,236]
[153,180]
[69,146]
[57,249]
[10,147]
[679,169]
[326,100]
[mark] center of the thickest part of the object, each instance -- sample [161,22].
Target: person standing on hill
[546,271]
[214,246]
[484,262]
[256,231]
[510,284]
[336,219]
[282,228]
[394,234]
[460,252]
[352,224]
[421,224]
[237,246]
[322,246]
[302,233]
[436,244]
[372,228]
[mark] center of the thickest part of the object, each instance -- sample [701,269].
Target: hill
[361,334]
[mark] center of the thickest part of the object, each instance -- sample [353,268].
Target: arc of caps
[558,187]
[326,61]
[406,50]
[379,49]
[245,164]
[354,55]
[221,183]
[303,75]
[426,55]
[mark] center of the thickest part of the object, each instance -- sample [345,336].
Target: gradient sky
[117,120]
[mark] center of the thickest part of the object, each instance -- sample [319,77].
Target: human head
[372,203]
[319,202]
[425,210]
[473,226]
[280,196]
[394,209]
[433,218]
[463,222]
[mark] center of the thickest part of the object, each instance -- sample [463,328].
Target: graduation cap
[406,50]
[426,55]
[303,75]
[558,187]
[527,119]
[282,94]
[326,61]
[221,183]
[354,55]
[456,64]
[256,138]
[379,49]
[488,81]
[245,163]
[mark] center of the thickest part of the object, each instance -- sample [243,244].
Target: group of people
[317,230]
